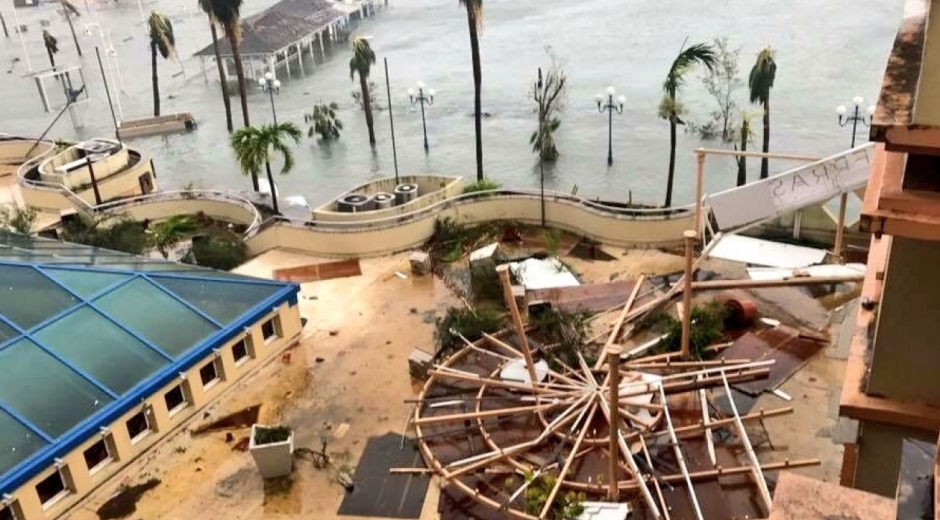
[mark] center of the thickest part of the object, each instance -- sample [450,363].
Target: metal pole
[68,18]
[16,20]
[391,119]
[610,130]
[699,188]
[424,125]
[107,91]
[94,182]
[273,112]
[854,125]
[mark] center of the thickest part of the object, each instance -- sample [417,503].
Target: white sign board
[810,184]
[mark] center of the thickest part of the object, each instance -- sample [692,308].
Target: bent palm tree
[760,82]
[475,24]
[52,46]
[163,41]
[670,108]
[253,147]
[227,13]
[361,63]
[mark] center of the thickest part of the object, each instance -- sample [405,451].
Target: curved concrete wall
[431,190]
[377,238]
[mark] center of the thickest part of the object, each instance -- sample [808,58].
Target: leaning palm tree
[475,23]
[760,82]
[163,41]
[52,46]
[227,14]
[361,63]
[253,148]
[222,82]
[670,108]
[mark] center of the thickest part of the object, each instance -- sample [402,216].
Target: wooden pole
[613,361]
[699,188]
[840,227]
[679,457]
[757,474]
[706,420]
[619,323]
[503,271]
[564,469]
[738,153]
[712,285]
[689,237]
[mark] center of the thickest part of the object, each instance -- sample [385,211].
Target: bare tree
[721,83]
[548,92]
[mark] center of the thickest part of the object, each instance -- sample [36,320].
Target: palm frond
[475,10]
[762,76]
[70,7]
[50,42]
[161,34]
[226,13]
[362,60]
[700,53]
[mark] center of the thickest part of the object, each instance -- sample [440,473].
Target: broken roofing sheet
[750,250]
[815,271]
[543,274]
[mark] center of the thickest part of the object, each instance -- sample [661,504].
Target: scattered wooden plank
[317,272]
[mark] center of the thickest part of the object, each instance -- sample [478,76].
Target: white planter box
[273,460]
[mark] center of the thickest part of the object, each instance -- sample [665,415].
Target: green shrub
[17,219]
[708,325]
[217,252]
[464,321]
[125,235]
[484,185]
[272,435]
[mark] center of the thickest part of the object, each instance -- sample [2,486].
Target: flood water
[827,52]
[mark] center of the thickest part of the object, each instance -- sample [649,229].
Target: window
[209,374]
[269,330]
[175,399]
[51,489]
[9,513]
[240,351]
[138,426]
[98,455]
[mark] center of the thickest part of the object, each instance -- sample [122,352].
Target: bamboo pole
[613,361]
[679,457]
[564,469]
[746,441]
[712,285]
[619,323]
[503,271]
[689,237]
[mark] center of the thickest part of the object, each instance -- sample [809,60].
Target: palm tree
[361,62]
[475,23]
[170,232]
[760,82]
[71,10]
[52,46]
[253,148]
[222,82]
[670,108]
[746,133]
[227,14]
[162,41]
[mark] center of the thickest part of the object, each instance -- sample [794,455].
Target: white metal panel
[816,271]
[809,184]
[749,250]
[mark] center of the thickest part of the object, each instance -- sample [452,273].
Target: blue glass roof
[87,333]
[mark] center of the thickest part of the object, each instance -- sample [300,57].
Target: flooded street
[827,52]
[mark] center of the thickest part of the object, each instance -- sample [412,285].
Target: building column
[300,58]
[320,37]
[251,69]
[287,61]
[271,62]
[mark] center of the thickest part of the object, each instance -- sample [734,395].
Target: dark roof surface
[279,26]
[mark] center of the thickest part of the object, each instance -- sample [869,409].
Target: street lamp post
[855,118]
[424,96]
[272,86]
[844,120]
[610,107]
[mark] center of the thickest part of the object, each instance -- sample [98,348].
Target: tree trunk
[51,57]
[477,87]
[764,171]
[154,79]
[3,22]
[367,105]
[267,165]
[68,17]
[742,160]
[672,161]
[218,60]
[242,87]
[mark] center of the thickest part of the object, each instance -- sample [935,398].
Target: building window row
[58,484]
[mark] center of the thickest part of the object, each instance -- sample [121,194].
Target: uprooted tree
[548,93]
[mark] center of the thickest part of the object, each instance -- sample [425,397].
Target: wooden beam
[738,153]
[434,419]
[689,237]
[706,420]
[699,188]
[659,489]
[571,456]
[718,423]
[503,271]
[619,323]
[712,285]
[613,361]
[746,441]
[679,457]
[840,227]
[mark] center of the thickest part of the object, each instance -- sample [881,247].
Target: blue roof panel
[17,442]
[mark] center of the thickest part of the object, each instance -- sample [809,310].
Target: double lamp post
[423,96]
[610,107]
[271,85]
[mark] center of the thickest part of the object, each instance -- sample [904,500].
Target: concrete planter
[273,459]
